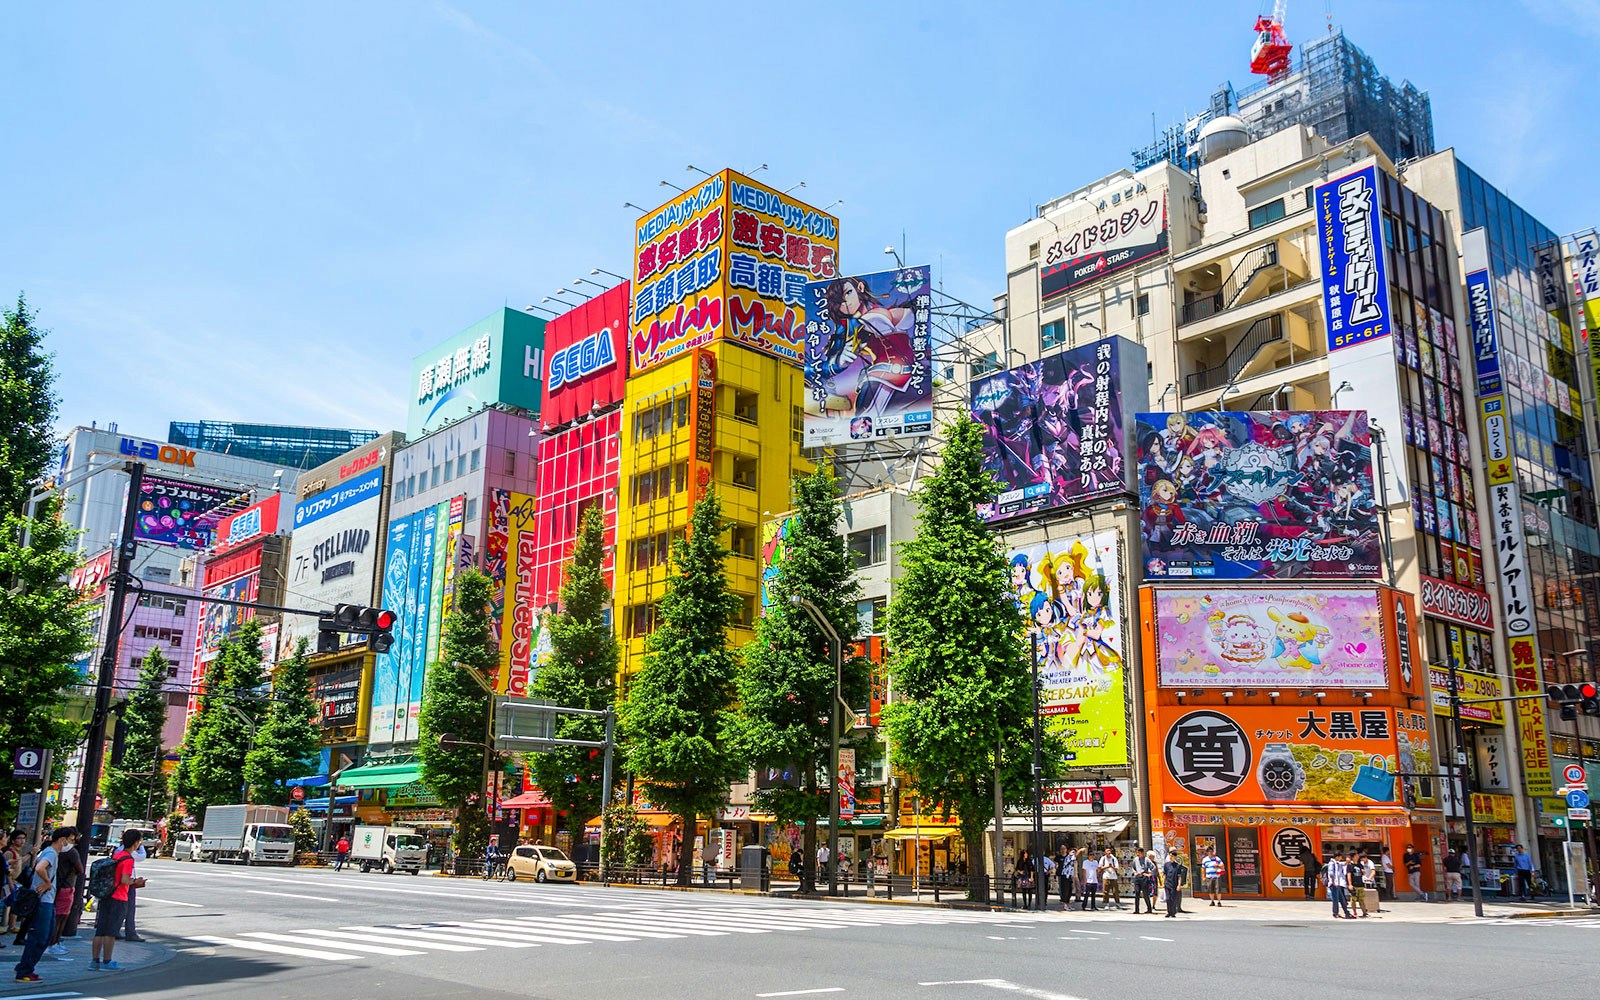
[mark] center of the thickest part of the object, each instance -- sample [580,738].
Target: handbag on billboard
[1373,781]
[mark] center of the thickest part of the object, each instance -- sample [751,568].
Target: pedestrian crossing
[356,942]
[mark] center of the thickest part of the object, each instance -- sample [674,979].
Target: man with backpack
[40,884]
[109,882]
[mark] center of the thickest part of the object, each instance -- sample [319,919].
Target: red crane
[1269,56]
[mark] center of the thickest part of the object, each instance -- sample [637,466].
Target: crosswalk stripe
[420,936]
[585,922]
[731,924]
[515,934]
[276,949]
[791,921]
[339,937]
[552,929]
[627,924]
[374,949]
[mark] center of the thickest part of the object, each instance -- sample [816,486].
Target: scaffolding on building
[1334,88]
[289,446]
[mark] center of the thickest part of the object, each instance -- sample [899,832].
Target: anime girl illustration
[868,356]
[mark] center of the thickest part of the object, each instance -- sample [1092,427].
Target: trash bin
[753,873]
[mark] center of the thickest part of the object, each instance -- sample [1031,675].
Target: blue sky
[263,212]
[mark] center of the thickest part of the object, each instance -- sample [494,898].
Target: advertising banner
[1114,243]
[496,538]
[338,698]
[776,246]
[702,416]
[1071,593]
[1054,430]
[452,545]
[399,580]
[219,621]
[847,783]
[520,627]
[253,522]
[1286,754]
[1270,636]
[1259,495]
[334,552]
[1586,289]
[774,539]
[89,579]
[1473,685]
[1453,602]
[1355,282]
[869,357]
[173,512]
[680,275]
[586,363]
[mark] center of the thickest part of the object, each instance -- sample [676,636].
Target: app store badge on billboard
[1055,430]
[1257,495]
[1355,283]
[868,357]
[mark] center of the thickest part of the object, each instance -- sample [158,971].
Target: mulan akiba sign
[1355,288]
[333,557]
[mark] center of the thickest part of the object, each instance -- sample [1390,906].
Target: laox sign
[582,359]
[158,453]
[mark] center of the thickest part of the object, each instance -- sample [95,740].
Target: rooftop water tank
[1221,136]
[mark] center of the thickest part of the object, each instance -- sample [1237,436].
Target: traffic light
[1573,698]
[1097,800]
[374,623]
[327,635]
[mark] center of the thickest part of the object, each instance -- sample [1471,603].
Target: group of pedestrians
[1090,879]
[1351,876]
[40,890]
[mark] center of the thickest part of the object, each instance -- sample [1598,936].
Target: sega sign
[577,362]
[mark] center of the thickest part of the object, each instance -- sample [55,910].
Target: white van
[186,846]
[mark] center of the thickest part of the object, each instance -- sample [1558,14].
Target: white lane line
[625,926]
[1008,986]
[801,993]
[291,895]
[1143,937]
[513,934]
[46,996]
[1074,930]
[347,945]
[337,938]
[729,924]
[276,949]
[420,935]
[143,899]
[355,884]
[551,927]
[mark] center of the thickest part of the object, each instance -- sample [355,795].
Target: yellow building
[714,397]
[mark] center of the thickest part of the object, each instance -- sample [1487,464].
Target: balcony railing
[1226,297]
[1264,331]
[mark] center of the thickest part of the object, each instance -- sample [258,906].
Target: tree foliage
[581,674]
[786,682]
[212,771]
[678,710]
[963,705]
[305,833]
[286,745]
[137,786]
[27,407]
[456,704]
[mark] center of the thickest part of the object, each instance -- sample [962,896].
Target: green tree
[286,744]
[305,834]
[454,702]
[581,673]
[231,708]
[963,708]
[680,706]
[138,786]
[786,682]
[27,407]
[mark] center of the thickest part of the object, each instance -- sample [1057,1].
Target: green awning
[380,776]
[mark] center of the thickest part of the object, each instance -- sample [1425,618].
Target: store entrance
[1239,847]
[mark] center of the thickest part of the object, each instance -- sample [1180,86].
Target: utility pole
[1463,796]
[836,654]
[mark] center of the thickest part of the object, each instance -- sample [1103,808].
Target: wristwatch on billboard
[1280,775]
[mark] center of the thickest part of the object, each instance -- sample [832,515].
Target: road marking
[551,927]
[291,895]
[276,949]
[1074,930]
[420,934]
[143,899]
[47,996]
[351,946]
[1143,937]
[801,993]
[339,937]
[514,934]
[1008,986]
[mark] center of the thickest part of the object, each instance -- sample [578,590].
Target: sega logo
[582,359]
[246,525]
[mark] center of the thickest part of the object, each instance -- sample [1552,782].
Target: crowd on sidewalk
[39,885]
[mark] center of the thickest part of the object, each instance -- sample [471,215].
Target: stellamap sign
[1444,599]
[575,363]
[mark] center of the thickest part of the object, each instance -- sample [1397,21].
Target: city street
[262,932]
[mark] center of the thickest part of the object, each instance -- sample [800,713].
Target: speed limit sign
[1573,773]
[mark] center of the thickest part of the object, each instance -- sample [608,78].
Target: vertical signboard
[1586,289]
[1355,286]
[399,596]
[703,414]
[518,627]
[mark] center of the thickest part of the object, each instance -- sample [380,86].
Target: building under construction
[1333,87]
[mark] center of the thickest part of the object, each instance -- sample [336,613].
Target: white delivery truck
[121,826]
[252,835]
[392,848]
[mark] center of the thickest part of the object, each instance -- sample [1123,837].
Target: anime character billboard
[1261,495]
[869,357]
[1071,593]
[1270,636]
[1054,430]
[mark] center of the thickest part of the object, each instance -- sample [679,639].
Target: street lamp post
[1463,797]
[836,654]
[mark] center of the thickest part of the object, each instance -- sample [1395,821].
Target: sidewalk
[130,955]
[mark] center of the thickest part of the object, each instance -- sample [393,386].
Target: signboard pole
[1588,827]
[1042,891]
[1566,856]
[1459,765]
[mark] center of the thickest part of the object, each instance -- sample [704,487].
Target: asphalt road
[259,933]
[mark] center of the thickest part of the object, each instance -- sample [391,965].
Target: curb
[813,897]
[1556,914]
[58,974]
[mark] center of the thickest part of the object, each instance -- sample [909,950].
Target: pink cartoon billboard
[1298,638]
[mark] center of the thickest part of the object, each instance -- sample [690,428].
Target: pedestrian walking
[69,868]
[1523,865]
[128,933]
[1358,886]
[1388,874]
[1173,877]
[1412,859]
[1211,868]
[341,850]
[111,910]
[1369,881]
[1452,875]
[1337,876]
[39,889]
[1110,879]
[1144,874]
[823,858]
[15,857]
[1310,868]
[1091,882]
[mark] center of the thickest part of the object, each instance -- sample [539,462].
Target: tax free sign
[499,359]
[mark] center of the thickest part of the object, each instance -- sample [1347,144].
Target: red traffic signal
[385,618]
[1573,698]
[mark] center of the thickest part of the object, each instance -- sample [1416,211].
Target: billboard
[1257,495]
[868,357]
[1355,283]
[586,363]
[1287,754]
[1270,636]
[521,627]
[338,698]
[408,586]
[1071,592]
[334,552]
[255,521]
[499,359]
[728,258]
[219,621]
[1104,245]
[1055,430]
[89,578]
[774,548]
[173,512]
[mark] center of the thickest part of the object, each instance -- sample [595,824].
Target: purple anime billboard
[1263,495]
[1054,433]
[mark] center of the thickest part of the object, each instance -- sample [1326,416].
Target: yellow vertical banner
[516,624]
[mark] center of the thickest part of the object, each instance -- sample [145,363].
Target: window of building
[472,508]
[1266,214]
[641,620]
[744,472]
[461,466]
[797,424]
[747,610]
[1141,305]
[681,410]
[511,463]
[1052,334]
[1033,251]
[680,477]
[1309,196]
[157,574]
[988,363]
[869,547]
[411,486]
[742,540]
[870,613]
[477,458]
[172,671]
[433,479]
[744,405]
[644,425]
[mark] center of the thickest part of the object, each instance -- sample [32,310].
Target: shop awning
[656,820]
[381,776]
[1108,826]
[534,799]
[309,781]
[320,805]
[1290,815]
[921,833]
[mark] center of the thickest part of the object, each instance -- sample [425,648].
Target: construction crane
[1270,54]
